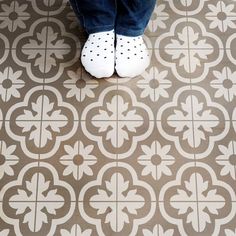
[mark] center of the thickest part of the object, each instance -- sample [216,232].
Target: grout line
[1,144]
[123,201]
[8,68]
[83,160]
[12,21]
[234,153]
[43,84]
[227,77]
[120,120]
[40,134]
[153,48]
[163,48]
[36,201]
[222,22]
[192,133]
[117,92]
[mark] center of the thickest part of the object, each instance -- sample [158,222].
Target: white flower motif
[158,18]
[42,116]
[229,232]
[117,109]
[156,160]
[228,159]
[24,202]
[46,59]
[198,198]
[189,39]
[79,87]
[76,230]
[7,159]
[225,84]
[78,160]
[10,83]
[158,231]
[13,16]
[128,202]
[155,84]
[192,111]
[221,16]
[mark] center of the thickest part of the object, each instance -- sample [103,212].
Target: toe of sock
[131,56]
[131,70]
[101,72]
[97,55]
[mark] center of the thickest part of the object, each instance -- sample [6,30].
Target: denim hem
[129,32]
[98,29]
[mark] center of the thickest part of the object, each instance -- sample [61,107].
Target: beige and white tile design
[152,155]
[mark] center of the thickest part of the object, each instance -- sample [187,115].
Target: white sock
[131,56]
[98,54]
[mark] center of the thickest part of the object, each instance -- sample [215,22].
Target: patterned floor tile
[152,155]
[163,17]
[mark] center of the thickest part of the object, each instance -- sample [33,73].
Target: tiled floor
[153,156]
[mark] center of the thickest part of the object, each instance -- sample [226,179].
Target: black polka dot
[97,54]
[108,34]
[98,46]
[135,46]
[106,41]
[128,42]
[128,58]
[111,51]
[92,42]
[121,45]
[120,38]
[93,35]
[128,49]
[83,55]
[105,57]
[99,38]
[121,53]
[105,49]
[91,51]
[91,60]
[141,57]
[135,54]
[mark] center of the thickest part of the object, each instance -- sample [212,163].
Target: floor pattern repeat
[150,156]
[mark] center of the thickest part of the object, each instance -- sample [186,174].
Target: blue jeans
[127,17]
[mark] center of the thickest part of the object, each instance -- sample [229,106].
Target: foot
[98,54]
[131,56]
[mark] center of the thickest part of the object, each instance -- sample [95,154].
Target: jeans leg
[95,15]
[133,16]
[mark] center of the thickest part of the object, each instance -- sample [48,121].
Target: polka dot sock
[98,54]
[131,56]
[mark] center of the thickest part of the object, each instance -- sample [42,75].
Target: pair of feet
[100,57]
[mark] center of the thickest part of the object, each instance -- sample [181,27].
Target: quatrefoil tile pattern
[153,155]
